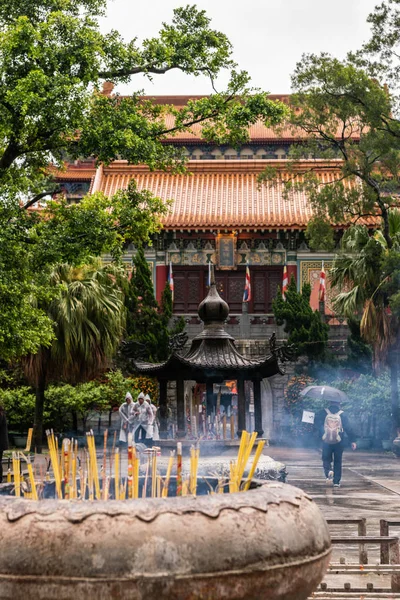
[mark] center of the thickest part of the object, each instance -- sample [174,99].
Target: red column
[292,270]
[161,280]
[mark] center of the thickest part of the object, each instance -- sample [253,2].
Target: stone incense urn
[270,543]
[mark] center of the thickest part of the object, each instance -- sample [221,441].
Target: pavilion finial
[212,273]
[213,309]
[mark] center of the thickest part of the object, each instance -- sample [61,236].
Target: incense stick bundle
[116,474]
[66,449]
[257,455]
[130,467]
[153,473]
[168,475]
[16,471]
[93,463]
[104,463]
[53,450]
[194,463]
[136,466]
[32,480]
[179,469]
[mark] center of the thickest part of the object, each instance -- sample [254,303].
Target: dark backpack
[332,427]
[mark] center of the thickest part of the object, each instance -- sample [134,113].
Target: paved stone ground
[370,488]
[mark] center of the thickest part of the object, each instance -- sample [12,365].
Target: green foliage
[320,235]
[62,401]
[148,324]
[342,113]
[53,61]
[88,315]
[19,404]
[306,330]
[359,353]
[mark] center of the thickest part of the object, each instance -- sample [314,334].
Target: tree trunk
[74,421]
[394,388]
[39,408]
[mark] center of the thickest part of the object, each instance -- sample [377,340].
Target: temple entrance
[190,287]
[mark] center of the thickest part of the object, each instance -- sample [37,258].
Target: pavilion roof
[212,354]
[218,361]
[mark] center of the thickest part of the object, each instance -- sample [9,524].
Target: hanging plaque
[226,250]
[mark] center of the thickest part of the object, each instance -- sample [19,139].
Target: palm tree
[89,317]
[359,273]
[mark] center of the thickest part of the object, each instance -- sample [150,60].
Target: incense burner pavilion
[219,213]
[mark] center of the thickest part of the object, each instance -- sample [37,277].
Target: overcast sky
[268,36]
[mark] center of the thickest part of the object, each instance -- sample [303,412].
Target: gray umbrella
[325,392]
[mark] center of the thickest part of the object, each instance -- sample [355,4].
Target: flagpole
[322,293]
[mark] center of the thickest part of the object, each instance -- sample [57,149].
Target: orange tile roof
[258,132]
[76,172]
[220,194]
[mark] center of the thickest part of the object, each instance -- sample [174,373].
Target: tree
[89,316]
[306,331]
[53,62]
[148,324]
[345,111]
[364,275]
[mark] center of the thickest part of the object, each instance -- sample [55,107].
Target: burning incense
[224,426]
[179,469]
[232,426]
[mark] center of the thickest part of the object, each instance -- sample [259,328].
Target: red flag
[247,287]
[171,280]
[322,284]
[284,282]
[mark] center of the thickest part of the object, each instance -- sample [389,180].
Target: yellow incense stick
[29,440]
[153,473]
[168,475]
[116,474]
[32,481]
[257,455]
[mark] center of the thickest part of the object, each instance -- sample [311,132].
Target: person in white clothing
[142,418]
[153,432]
[125,414]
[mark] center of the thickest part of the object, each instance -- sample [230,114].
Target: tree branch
[110,75]
[38,197]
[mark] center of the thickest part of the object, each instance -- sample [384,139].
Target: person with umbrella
[332,424]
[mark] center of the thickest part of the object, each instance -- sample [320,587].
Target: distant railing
[251,326]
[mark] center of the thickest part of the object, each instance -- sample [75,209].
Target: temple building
[220,213]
